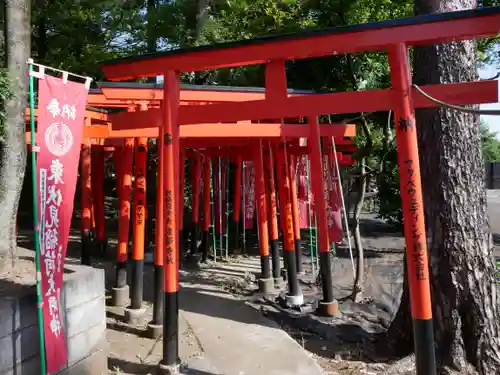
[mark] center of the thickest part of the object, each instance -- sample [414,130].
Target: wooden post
[292,165]
[120,292]
[294,296]
[86,204]
[328,306]
[181,175]
[237,206]
[413,211]
[207,215]
[170,109]
[195,203]
[266,283]
[139,228]
[97,180]
[155,327]
[273,215]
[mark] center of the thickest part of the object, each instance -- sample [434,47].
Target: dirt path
[132,353]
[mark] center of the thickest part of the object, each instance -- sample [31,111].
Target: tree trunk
[13,149]
[359,281]
[464,292]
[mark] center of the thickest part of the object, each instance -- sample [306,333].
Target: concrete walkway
[236,339]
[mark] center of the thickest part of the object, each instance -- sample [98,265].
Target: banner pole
[35,224]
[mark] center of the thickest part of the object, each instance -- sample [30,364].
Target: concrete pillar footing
[168,369]
[328,308]
[266,286]
[120,296]
[134,316]
[293,301]
[155,330]
[278,282]
[283,274]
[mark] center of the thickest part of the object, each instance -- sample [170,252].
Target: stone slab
[86,342]
[82,317]
[20,310]
[94,364]
[83,285]
[237,339]
[18,347]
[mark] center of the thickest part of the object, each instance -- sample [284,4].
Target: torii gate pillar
[413,211]
[170,361]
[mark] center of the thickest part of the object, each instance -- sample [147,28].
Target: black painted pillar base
[206,245]
[266,282]
[325,266]
[158,295]
[291,273]
[244,248]
[328,306]
[425,356]
[171,329]
[137,286]
[120,293]
[155,327]
[275,258]
[194,239]
[101,247]
[265,267]
[236,246]
[86,255]
[298,256]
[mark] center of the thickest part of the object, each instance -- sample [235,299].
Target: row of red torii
[172,114]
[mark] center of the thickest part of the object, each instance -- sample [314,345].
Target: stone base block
[120,296]
[294,300]
[155,330]
[283,273]
[278,282]
[328,308]
[266,286]
[134,316]
[168,370]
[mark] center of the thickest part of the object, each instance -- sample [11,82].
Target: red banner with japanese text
[332,198]
[303,194]
[248,194]
[61,114]
[220,187]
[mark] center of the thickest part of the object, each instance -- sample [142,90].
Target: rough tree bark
[364,178]
[464,291]
[13,148]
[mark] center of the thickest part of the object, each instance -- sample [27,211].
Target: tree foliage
[76,35]
[491,144]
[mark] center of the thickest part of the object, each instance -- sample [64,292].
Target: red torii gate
[193,136]
[392,36]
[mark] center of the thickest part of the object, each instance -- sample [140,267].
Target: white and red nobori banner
[249,194]
[61,115]
[332,198]
[303,195]
[220,186]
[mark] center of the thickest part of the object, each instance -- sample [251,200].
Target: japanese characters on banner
[220,186]
[249,194]
[303,195]
[61,113]
[332,199]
